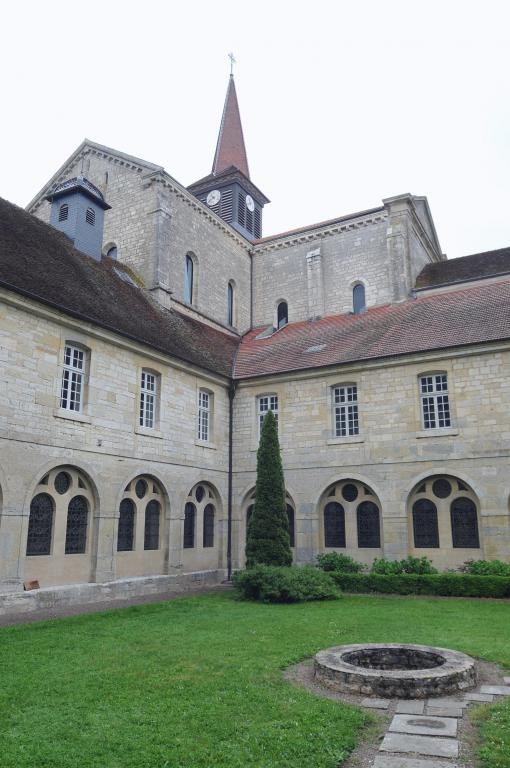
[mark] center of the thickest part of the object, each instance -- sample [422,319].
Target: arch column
[103,545]
[13,533]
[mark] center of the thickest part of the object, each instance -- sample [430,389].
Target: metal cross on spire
[232,62]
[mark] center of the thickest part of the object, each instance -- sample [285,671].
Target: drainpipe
[231,395]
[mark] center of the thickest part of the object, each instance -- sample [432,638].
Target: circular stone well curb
[451,672]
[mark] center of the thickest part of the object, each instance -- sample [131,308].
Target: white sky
[343,103]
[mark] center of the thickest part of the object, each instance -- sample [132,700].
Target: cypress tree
[268,530]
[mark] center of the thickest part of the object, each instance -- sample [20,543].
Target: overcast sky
[342,103]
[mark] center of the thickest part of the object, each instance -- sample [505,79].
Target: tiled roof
[230,149]
[39,262]
[470,316]
[474,267]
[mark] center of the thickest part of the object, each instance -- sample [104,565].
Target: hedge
[449,584]
[277,584]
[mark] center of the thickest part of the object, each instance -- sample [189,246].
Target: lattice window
[90,216]
[204,414]
[126,530]
[290,520]
[40,525]
[151,531]
[369,533]
[73,379]
[148,395]
[76,531]
[425,526]
[63,212]
[334,525]
[267,403]
[435,404]
[208,537]
[464,520]
[345,410]
[189,526]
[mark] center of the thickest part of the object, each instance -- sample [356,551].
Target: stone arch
[350,519]
[443,518]
[202,541]
[61,547]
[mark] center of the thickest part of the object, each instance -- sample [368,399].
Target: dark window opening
[140,488]
[62,482]
[125,534]
[188,284]
[76,531]
[112,252]
[40,525]
[208,537]
[369,533]
[464,524]
[350,492]
[151,533]
[63,212]
[441,488]
[230,304]
[189,526]
[282,314]
[425,527]
[358,298]
[290,519]
[334,525]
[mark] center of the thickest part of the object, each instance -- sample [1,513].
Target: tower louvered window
[227,205]
[90,216]
[63,212]
[249,220]
[241,209]
[257,214]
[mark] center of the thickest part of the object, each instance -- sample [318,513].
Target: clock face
[249,203]
[213,198]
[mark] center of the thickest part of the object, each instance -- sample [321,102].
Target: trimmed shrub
[295,584]
[336,561]
[444,584]
[486,567]
[411,564]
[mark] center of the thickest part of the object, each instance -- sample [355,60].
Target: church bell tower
[228,190]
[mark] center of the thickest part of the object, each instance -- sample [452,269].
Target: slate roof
[474,267]
[41,263]
[457,318]
[230,149]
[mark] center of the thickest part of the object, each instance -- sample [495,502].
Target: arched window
[334,525]
[112,252]
[63,212]
[189,526]
[76,531]
[369,533]
[40,525]
[290,518]
[125,534]
[358,298]
[230,304]
[188,280]
[282,314]
[249,515]
[90,216]
[151,532]
[208,533]
[464,524]
[425,526]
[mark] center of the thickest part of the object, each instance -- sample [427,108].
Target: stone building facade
[388,368]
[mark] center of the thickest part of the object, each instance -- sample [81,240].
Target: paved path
[425,733]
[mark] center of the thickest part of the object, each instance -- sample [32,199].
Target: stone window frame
[338,407]
[432,405]
[231,304]
[190,291]
[271,397]
[148,394]
[278,324]
[354,286]
[201,496]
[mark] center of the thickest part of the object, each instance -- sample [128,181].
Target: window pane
[208,538]
[282,314]
[151,534]
[126,529]
[358,299]
[369,534]
[189,526]
[188,283]
[426,532]
[40,525]
[334,525]
[76,531]
[464,524]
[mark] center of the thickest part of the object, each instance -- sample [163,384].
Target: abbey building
[148,327]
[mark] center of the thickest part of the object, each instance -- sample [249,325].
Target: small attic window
[112,252]
[90,216]
[63,212]
[282,314]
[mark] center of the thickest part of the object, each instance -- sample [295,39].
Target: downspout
[231,396]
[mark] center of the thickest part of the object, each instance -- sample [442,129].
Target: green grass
[196,682]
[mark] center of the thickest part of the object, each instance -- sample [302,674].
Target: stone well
[392,670]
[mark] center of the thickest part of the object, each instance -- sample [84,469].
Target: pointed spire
[230,149]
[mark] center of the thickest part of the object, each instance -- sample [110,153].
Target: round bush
[294,584]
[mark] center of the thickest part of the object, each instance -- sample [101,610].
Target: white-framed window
[72,390]
[148,399]
[345,410]
[435,402]
[204,415]
[266,403]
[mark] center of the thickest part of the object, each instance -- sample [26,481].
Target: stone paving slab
[498,690]
[424,726]
[506,680]
[435,746]
[375,703]
[446,702]
[471,697]
[445,711]
[390,761]
[410,707]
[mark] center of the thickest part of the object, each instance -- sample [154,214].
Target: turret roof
[230,149]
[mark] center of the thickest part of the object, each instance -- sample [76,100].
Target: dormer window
[63,212]
[358,299]
[90,216]
[282,314]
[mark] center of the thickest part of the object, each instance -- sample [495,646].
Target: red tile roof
[230,149]
[470,316]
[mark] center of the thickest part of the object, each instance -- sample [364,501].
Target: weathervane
[232,62]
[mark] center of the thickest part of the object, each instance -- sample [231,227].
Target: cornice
[319,233]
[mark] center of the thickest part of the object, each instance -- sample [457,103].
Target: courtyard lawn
[196,682]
